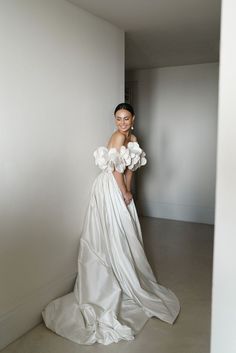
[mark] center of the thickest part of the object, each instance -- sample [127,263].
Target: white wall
[224,270]
[176,120]
[62,73]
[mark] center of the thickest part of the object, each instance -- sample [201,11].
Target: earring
[132,127]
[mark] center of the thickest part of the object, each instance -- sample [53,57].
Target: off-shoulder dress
[115,290]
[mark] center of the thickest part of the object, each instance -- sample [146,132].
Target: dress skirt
[115,291]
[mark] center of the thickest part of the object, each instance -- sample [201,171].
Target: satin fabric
[115,291]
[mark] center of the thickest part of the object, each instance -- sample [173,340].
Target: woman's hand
[127,197]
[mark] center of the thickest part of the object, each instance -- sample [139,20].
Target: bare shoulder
[117,139]
[133,138]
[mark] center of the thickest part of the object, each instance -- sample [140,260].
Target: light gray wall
[176,122]
[223,337]
[62,73]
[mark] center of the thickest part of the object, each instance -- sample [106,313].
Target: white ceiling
[163,32]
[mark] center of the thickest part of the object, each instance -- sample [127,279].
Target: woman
[115,291]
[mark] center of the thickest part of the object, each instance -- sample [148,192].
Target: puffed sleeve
[109,160]
[137,155]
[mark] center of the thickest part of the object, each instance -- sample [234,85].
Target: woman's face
[124,120]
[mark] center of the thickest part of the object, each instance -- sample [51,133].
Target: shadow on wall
[143,129]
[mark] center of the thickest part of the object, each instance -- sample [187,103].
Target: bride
[115,291]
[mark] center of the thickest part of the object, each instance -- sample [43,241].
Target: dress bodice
[111,159]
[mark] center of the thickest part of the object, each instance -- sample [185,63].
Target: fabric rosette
[109,160]
[116,160]
[125,155]
[137,155]
[101,157]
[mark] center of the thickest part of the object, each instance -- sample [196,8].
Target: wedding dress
[115,291]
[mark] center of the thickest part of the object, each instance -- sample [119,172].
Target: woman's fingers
[127,197]
[127,201]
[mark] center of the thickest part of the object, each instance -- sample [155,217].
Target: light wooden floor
[180,254]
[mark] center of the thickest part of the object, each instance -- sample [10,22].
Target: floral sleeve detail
[138,156]
[109,160]
[131,156]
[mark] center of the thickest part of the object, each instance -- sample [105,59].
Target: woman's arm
[116,141]
[120,181]
[123,187]
[128,179]
[128,172]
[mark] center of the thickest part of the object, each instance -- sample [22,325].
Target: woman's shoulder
[117,139]
[133,138]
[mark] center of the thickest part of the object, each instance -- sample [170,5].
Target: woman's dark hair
[125,106]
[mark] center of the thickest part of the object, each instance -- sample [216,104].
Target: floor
[180,254]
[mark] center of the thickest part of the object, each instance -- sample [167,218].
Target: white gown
[115,291]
